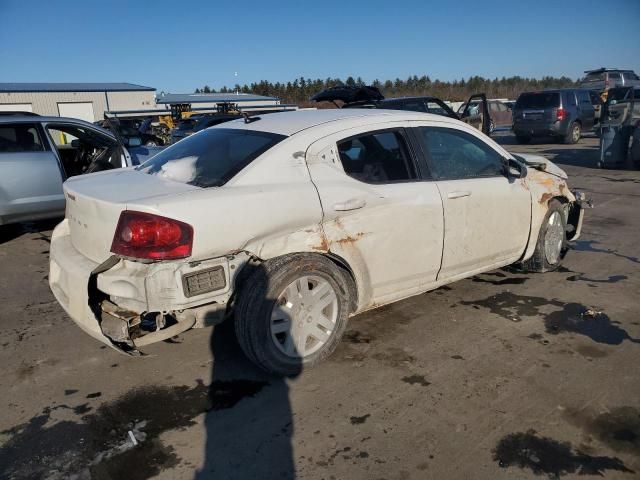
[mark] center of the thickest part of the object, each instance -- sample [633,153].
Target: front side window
[380,157]
[20,137]
[458,155]
[211,157]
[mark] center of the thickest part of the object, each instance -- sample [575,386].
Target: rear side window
[459,155]
[614,76]
[631,76]
[20,137]
[210,158]
[380,157]
[538,100]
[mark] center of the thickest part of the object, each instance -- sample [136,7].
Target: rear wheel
[523,138]
[292,312]
[551,243]
[573,134]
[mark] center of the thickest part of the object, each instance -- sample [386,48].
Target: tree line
[301,89]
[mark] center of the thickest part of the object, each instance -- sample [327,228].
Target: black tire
[538,261]
[523,139]
[573,134]
[257,298]
[151,143]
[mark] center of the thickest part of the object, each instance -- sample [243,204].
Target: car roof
[4,119]
[290,123]
[40,119]
[422,97]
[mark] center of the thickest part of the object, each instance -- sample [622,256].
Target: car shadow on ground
[252,438]
[16,230]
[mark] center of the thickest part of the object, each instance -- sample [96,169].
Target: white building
[87,101]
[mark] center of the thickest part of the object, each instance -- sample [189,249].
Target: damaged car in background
[475,111]
[289,224]
[37,154]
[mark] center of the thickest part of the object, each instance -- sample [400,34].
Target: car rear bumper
[540,129]
[69,273]
[115,301]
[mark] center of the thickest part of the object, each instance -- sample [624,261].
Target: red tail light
[152,237]
[561,114]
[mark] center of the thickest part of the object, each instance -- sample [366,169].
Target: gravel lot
[504,375]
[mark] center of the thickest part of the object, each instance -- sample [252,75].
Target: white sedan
[289,223]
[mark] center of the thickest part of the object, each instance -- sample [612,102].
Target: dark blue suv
[563,114]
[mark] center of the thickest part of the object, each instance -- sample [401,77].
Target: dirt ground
[504,375]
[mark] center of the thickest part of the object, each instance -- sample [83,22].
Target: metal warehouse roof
[73,87]
[175,98]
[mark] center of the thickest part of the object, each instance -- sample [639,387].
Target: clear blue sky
[177,46]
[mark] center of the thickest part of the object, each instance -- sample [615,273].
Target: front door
[476,113]
[487,214]
[378,214]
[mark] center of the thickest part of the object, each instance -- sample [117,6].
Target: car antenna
[248,119]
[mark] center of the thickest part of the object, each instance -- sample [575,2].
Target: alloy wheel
[553,238]
[304,316]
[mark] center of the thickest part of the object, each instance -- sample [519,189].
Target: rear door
[378,212]
[486,214]
[478,118]
[586,112]
[31,181]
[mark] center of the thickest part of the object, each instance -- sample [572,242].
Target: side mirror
[134,141]
[511,169]
[75,143]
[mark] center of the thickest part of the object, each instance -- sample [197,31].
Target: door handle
[351,204]
[458,194]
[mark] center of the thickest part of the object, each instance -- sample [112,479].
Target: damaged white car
[291,222]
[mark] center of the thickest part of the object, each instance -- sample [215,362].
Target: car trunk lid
[94,203]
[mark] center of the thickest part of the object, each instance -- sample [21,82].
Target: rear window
[538,100]
[210,158]
[594,77]
[186,124]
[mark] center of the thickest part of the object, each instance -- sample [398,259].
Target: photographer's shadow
[249,424]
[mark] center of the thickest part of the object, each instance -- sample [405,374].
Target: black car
[195,123]
[370,97]
[563,114]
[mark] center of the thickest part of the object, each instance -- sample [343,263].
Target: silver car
[37,154]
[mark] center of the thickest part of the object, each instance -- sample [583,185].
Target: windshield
[538,100]
[210,158]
